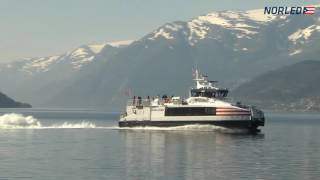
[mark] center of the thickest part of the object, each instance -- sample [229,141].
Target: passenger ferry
[206,104]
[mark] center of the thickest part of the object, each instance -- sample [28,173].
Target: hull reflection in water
[182,154]
[192,128]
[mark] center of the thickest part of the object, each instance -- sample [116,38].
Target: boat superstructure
[206,104]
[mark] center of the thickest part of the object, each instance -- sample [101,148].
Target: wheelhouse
[206,88]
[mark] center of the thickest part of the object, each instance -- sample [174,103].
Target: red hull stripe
[233,115]
[227,108]
[231,110]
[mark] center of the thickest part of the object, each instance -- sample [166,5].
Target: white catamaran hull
[157,118]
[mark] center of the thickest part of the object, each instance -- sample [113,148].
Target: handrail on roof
[153,102]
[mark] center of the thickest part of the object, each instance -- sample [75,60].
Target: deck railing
[152,102]
[156,101]
[139,102]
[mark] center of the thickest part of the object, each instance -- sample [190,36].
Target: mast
[199,79]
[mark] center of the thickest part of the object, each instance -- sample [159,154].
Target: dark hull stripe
[228,123]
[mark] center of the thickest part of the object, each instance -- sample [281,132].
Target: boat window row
[190,111]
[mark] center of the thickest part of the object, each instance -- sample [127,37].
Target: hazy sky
[48,27]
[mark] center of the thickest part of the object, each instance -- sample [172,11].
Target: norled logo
[283,10]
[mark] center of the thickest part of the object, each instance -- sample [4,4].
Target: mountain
[7,102]
[73,59]
[230,46]
[37,79]
[291,88]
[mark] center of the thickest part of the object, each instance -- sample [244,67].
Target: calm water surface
[87,145]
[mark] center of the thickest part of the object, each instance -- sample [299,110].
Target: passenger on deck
[148,100]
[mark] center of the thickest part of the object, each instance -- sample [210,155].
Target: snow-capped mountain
[230,46]
[28,76]
[76,59]
[240,26]
[243,24]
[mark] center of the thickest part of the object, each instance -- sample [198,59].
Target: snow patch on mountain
[120,43]
[78,63]
[231,14]
[80,52]
[303,34]
[164,32]
[173,27]
[259,16]
[39,64]
[77,58]
[197,31]
[236,21]
[297,51]
[243,24]
[96,48]
[215,18]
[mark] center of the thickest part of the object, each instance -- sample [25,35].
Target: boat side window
[190,111]
[195,94]
[222,93]
[208,94]
[210,110]
[205,93]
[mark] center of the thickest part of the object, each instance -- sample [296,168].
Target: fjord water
[77,145]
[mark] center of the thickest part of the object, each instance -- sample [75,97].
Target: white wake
[18,121]
[68,125]
[13,120]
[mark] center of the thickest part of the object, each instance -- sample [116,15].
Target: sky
[36,28]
